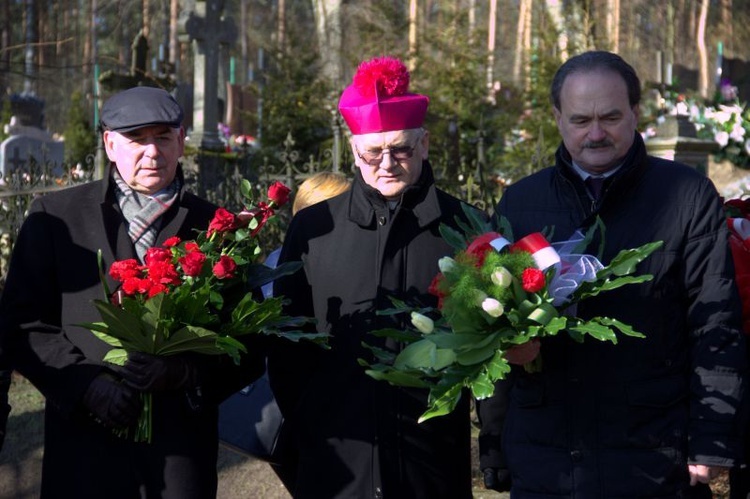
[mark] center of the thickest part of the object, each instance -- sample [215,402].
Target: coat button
[381,220]
[576,456]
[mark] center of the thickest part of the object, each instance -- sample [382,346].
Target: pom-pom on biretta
[386,76]
[378,99]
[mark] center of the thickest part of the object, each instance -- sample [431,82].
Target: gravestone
[676,140]
[32,150]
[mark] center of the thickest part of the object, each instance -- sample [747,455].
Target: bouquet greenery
[197,295]
[495,295]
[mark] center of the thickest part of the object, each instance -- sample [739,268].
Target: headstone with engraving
[676,140]
[32,150]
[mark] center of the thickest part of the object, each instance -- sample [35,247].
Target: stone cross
[208,30]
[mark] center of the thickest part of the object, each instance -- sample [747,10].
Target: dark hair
[593,61]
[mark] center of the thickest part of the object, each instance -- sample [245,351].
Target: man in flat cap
[52,283]
[354,436]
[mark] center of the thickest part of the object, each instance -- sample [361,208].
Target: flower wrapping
[492,299]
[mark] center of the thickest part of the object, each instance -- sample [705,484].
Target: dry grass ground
[21,458]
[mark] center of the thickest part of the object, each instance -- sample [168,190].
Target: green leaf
[397,378]
[453,237]
[246,189]
[189,339]
[443,405]
[424,354]
[621,326]
[482,386]
[625,261]
[596,330]
[116,356]
[498,367]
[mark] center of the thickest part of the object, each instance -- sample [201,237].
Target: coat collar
[633,165]
[120,245]
[421,198]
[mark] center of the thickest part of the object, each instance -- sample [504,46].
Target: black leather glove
[112,402]
[155,373]
[496,479]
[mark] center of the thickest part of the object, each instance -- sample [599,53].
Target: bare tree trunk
[281,26]
[244,49]
[613,24]
[702,52]
[524,11]
[5,42]
[174,42]
[146,18]
[726,24]
[527,45]
[554,10]
[492,28]
[328,24]
[472,20]
[413,34]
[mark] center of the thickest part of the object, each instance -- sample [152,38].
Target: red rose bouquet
[738,221]
[496,299]
[197,295]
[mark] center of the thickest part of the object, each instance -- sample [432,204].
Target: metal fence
[217,176]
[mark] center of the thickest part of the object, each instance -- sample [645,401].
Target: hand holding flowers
[196,296]
[496,300]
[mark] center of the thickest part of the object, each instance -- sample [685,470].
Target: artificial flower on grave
[494,296]
[729,126]
[738,220]
[198,295]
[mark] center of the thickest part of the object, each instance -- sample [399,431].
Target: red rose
[279,193]
[172,241]
[157,288]
[192,263]
[157,255]
[533,280]
[163,273]
[225,267]
[434,289]
[135,285]
[192,246]
[223,221]
[480,246]
[125,269]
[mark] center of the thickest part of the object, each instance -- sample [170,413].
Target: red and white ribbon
[499,243]
[542,252]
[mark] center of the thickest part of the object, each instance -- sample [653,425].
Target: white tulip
[501,277]
[446,264]
[493,307]
[424,324]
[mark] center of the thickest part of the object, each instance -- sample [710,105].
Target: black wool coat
[52,282]
[604,420]
[357,437]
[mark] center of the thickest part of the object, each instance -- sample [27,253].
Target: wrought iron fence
[216,177]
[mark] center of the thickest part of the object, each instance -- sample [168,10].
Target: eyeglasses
[374,157]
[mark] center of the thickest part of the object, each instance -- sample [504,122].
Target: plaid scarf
[143,213]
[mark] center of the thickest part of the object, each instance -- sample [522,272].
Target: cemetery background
[259,80]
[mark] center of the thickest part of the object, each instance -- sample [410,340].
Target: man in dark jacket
[356,437]
[52,283]
[653,417]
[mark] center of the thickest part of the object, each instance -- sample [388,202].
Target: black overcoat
[605,420]
[52,282]
[357,437]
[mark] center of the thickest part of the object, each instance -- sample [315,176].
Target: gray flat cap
[139,107]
